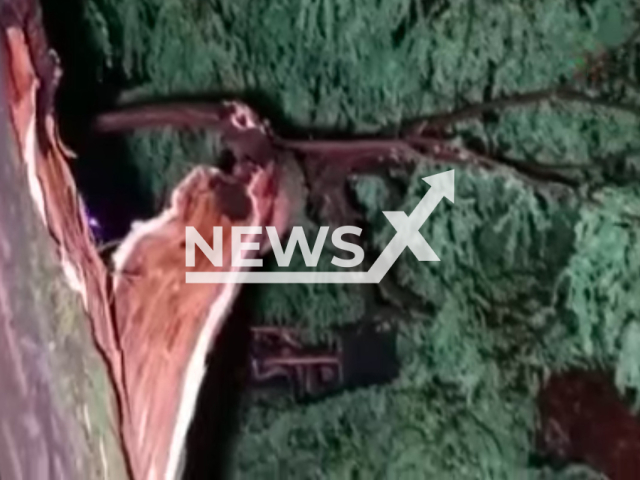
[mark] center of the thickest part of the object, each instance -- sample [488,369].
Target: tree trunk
[57,409]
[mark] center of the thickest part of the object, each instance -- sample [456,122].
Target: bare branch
[442,120]
[171,114]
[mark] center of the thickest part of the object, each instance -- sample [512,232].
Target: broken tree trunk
[57,420]
[152,329]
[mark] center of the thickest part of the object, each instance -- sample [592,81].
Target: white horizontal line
[282,277]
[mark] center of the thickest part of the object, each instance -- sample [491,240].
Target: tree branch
[442,120]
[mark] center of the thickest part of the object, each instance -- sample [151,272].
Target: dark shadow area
[585,420]
[216,421]
[106,177]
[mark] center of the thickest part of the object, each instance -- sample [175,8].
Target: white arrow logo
[407,235]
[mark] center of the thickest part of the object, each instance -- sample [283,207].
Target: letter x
[408,228]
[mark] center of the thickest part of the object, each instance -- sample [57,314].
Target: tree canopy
[533,279]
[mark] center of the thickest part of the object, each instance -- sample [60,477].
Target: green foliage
[574,472]
[159,151]
[501,239]
[407,431]
[529,282]
[318,307]
[361,65]
[527,285]
[603,278]
[345,63]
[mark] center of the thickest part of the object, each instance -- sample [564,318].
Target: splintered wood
[165,325]
[153,329]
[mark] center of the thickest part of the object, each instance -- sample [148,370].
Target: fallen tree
[145,320]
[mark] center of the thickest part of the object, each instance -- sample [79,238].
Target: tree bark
[57,409]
